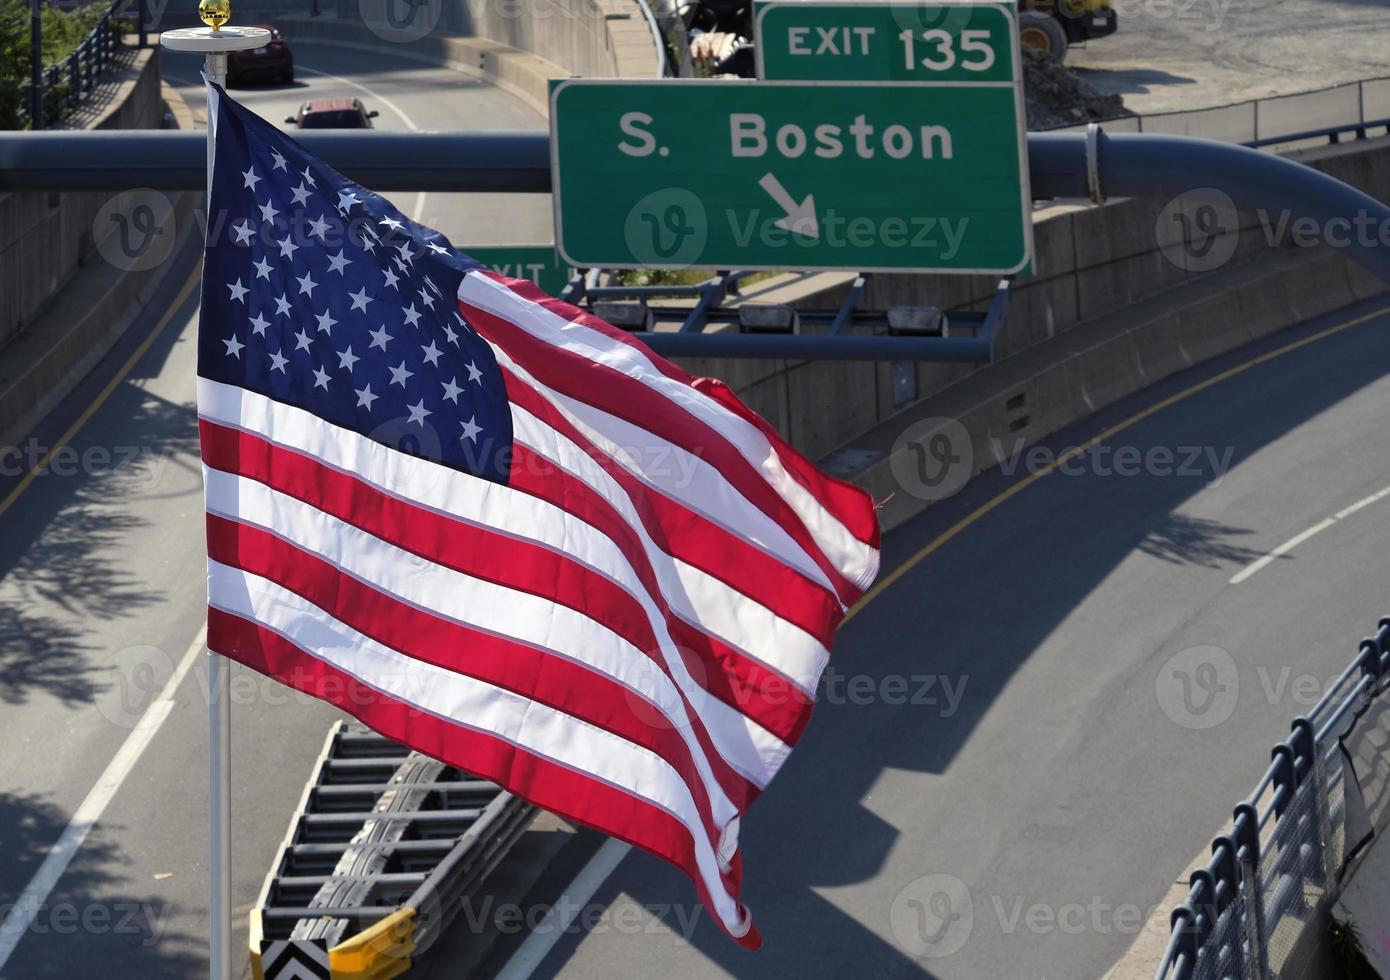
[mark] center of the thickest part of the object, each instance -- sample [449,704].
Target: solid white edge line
[1283,549]
[561,915]
[26,907]
[1363,502]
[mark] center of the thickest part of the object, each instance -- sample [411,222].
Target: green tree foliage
[64,27]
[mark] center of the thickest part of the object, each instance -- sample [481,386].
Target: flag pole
[215,41]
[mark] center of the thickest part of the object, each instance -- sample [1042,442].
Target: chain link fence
[1259,908]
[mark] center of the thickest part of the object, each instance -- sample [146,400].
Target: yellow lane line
[100,399]
[945,536]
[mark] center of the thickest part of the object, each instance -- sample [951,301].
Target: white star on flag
[360,299]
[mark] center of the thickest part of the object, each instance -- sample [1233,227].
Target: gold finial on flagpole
[215,13]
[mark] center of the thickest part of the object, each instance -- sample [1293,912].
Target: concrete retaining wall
[1092,263]
[45,237]
[516,45]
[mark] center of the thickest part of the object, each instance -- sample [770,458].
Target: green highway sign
[539,263]
[721,174]
[843,40]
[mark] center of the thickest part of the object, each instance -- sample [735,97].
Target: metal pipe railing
[87,62]
[1061,165]
[119,160]
[1289,771]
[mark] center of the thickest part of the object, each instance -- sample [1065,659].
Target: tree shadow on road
[64,571]
[91,924]
[1181,539]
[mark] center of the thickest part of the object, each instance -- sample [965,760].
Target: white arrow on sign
[800,218]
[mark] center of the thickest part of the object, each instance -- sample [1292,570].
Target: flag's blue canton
[320,294]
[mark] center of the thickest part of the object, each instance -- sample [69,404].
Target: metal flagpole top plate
[206,39]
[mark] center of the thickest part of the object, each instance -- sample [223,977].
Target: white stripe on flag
[529,725]
[856,560]
[693,595]
[460,598]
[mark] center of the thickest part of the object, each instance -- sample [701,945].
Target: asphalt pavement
[1018,748]
[408,95]
[1004,773]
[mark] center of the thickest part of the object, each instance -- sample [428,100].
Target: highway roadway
[408,95]
[1005,772]
[103,769]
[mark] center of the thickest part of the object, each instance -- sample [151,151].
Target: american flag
[497,529]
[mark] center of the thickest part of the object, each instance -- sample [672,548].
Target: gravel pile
[1058,96]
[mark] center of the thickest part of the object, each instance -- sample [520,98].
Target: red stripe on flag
[535,674]
[625,398]
[546,783]
[695,539]
[763,695]
[849,503]
[741,682]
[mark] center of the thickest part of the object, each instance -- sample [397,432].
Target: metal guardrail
[382,852]
[68,82]
[1320,113]
[1278,864]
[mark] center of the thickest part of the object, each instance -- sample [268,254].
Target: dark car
[333,114]
[273,61]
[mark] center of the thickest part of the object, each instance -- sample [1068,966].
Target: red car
[333,114]
[273,61]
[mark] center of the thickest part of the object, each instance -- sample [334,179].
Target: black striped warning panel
[295,959]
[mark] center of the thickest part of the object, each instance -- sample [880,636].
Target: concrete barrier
[1105,314]
[1019,401]
[79,304]
[46,237]
[516,46]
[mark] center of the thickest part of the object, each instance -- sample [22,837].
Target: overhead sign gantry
[881,169]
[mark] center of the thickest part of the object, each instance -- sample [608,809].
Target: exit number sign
[881,137]
[932,43]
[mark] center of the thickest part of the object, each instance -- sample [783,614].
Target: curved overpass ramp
[1026,737]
